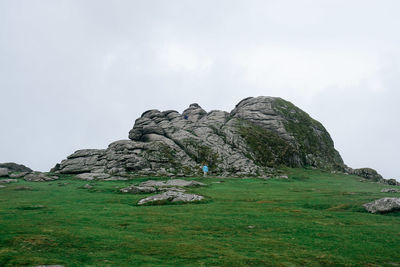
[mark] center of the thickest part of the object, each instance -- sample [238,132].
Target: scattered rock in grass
[170,196]
[87,186]
[152,183]
[138,189]
[251,226]
[283,177]
[390,190]
[180,182]
[2,186]
[21,188]
[18,175]
[383,205]
[49,266]
[173,182]
[3,172]
[7,181]
[115,178]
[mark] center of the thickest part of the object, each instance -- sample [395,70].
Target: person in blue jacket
[205,170]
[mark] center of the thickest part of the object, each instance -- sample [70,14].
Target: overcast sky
[76,74]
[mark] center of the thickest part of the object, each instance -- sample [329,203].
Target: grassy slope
[314,218]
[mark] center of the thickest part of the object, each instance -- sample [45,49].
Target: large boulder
[257,136]
[383,205]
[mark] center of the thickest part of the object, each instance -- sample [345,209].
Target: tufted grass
[311,219]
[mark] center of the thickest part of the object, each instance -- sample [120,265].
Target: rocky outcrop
[257,136]
[371,175]
[3,172]
[383,205]
[170,196]
[14,167]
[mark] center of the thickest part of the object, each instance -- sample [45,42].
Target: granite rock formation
[258,135]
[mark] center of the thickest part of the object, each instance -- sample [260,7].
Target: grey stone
[3,172]
[2,186]
[368,173]
[92,176]
[39,177]
[138,189]
[171,196]
[87,186]
[18,175]
[7,181]
[390,190]
[383,205]
[152,183]
[184,183]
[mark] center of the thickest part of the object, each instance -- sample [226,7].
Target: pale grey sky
[76,74]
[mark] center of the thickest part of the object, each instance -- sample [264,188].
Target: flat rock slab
[390,190]
[173,182]
[7,181]
[138,189]
[171,196]
[40,177]
[383,205]
[2,186]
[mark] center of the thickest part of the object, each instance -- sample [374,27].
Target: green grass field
[311,219]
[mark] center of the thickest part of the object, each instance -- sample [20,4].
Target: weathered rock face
[258,135]
[383,205]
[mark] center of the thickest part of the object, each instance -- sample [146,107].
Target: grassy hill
[313,218]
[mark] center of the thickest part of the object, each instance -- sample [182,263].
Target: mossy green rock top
[257,136]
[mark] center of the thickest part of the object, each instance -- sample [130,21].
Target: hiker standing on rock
[205,170]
